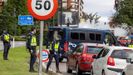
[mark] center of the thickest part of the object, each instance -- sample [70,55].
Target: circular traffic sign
[42,9]
[45,55]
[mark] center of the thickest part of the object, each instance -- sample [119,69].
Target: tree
[9,16]
[124,12]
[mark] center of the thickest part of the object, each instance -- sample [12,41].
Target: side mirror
[94,57]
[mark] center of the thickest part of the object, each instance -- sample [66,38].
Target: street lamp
[61,14]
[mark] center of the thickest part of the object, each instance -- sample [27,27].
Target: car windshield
[94,50]
[122,54]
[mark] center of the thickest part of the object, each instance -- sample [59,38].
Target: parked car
[81,58]
[122,40]
[111,60]
[129,68]
[71,37]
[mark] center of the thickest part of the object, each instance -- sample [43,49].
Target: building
[2,4]
[71,11]
[73,6]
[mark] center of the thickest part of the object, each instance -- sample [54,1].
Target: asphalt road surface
[63,68]
[17,44]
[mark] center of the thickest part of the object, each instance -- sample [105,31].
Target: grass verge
[18,63]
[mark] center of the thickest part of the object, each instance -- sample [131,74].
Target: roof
[94,44]
[84,29]
[118,47]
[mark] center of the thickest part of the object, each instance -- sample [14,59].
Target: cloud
[104,8]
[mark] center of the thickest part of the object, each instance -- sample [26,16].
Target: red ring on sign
[42,59]
[46,17]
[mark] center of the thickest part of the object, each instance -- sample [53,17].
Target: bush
[20,38]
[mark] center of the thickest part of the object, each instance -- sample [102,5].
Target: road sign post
[42,10]
[41,46]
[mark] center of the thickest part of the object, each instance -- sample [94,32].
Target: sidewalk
[17,44]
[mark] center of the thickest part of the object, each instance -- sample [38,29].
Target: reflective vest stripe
[50,46]
[6,37]
[33,41]
[130,46]
[56,46]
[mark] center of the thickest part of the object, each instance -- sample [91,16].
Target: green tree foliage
[124,12]
[9,16]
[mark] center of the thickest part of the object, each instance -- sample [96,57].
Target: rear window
[122,54]
[94,50]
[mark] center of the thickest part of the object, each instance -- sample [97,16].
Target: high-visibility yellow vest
[56,46]
[50,47]
[33,41]
[7,37]
[130,46]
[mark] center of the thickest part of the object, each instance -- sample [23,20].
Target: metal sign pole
[41,46]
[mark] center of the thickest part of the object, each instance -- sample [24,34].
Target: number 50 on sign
[42,9]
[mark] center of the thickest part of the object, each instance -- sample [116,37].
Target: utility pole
[14,13]
[61,14]
[79,2]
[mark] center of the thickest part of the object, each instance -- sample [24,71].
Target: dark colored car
[81,58]
[71,37]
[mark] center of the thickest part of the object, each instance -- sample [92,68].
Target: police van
[71,37]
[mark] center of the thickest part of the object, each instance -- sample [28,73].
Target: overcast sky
[104,8]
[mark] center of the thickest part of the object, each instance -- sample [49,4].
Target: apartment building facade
[71,11]
[2,2]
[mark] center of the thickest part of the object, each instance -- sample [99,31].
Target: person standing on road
[54,53]
[6,38]
[31,44]
[129,42]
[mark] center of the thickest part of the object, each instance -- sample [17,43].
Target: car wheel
[78,71]
[91,71]
[103,73]
[123,73]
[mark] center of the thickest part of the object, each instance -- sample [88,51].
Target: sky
[104,8]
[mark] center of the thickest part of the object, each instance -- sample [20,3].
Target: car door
[77,55]
[74,56]
[96,62]
[101,61]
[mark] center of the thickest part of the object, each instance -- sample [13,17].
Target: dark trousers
[56,57]
[6,50]
[32,51]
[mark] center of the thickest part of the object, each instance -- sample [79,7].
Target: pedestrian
[54,53]
[31,44]
[6,38]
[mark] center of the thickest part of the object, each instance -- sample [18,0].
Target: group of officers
[54,51]
[31,44]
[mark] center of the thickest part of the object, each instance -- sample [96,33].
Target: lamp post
[79,1]
[61,14]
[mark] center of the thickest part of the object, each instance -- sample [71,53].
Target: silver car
[129,68]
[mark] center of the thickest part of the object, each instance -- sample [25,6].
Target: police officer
[129,42]
[54,53]
[31,44]
[6,38]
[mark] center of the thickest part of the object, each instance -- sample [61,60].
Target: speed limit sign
[42,9]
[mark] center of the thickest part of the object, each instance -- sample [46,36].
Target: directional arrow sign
[25,20]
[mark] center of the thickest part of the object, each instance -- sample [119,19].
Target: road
[63,68]
[17,44]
